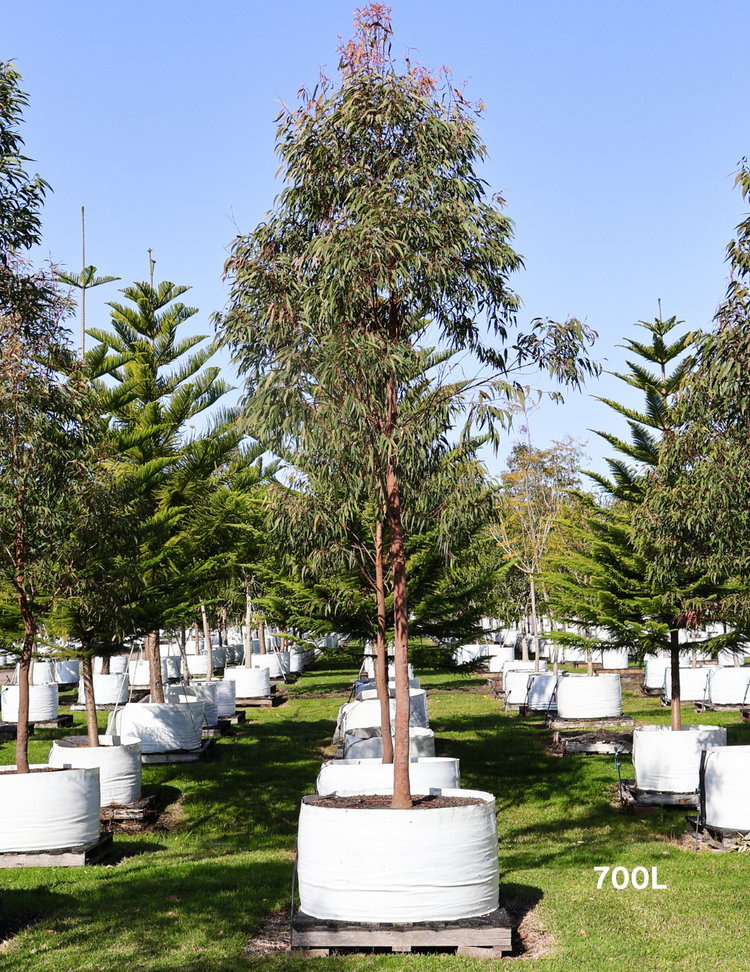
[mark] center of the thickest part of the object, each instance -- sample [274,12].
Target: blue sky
[613,130]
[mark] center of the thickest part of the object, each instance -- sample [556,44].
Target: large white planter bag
[219,657]
[43,702]
[277,663]
[574,656]
[43,672]
[169,649]
[139,673]
[206,692]
[67,672]
[612,657]
[162,727]
[118,664]
[589,696]
[48,810]
[515,685]
[541,691]
[469,653]
[368,690]
[250,683]
[226,697]
[108,689]
[364,715]
[118,759]
[170,667]
[726,656]
[430,865]
[655,670]
[726,786]
[729,686]
[374,776]
[296,661]
[669,761]
[522,666]
[196,664]
[368,743]
[498,655]
[693,684]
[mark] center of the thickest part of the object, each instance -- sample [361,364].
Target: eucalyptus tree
[383,239]
[161,386]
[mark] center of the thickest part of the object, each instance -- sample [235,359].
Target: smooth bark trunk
[105,665]
[183,654]
[534,624]
[248,630]
[381,654]
[209,646]
[262,637]
[401,784]
[154,657]
[525,641]
[197,635]
[92,725]
[675,667]
[24,670]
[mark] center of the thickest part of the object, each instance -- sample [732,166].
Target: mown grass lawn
[189,894]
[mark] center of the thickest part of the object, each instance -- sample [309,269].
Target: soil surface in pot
[376,802]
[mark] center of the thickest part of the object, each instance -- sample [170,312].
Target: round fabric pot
[196,664]
[365,715]
[729,686]
[118,759]
[589,696]
[726,786]
[226,698]
[108,689]
[693,684]
[374,776]
[43,702]
[169,649]
[170,666]
[535,689]
[430,865]
[522,666]
[162,727]
[726,657]
[118,665]
[612,657]
[469,653]
[219,656]
[67,672]
[206,692]
[277,663]
[297,661]
[139,673]
[498,655]
[655,670]
[43,672]
[250,683]
[48,809]
[368,743]
[575,656]
[669,761]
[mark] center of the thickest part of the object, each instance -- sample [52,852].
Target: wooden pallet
[69,857]
[262,703]
[590,725]
[631,796]
[573,743]
[182,755]
[144,810]
[9,730]
[717,838]
[233,720]
[487,937]
[215,732]
[105,707]
[526,711]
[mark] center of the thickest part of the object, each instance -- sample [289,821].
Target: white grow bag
[693,684]
[219,657]
[206,692]
[196,665]
[535,689]
[297,661]
[50,810]
[170,667]
[162,727]
[250,683]
[67,672]
[726,657]
[729,686]
[226,697]
[575,656]
[42,672]
[430,865]
[368,743]
[726,786]
[118,664]
[612,657]
[374,776]
[366,715]
[589,696]
[469,653]
[43,702]
[277,663]
[522,666]
[108,689]
[119,762]
[498,655]
[668,761]
[653,677]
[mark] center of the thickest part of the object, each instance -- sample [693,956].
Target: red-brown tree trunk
[154,657]
[381,655]
[401,784]
[674,638]
[92,725]
[209,646]
[24,669]
[261,637]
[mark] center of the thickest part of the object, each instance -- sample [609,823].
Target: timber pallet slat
[142,810]
[68,857]
[9,730]
[718,838]
[487,937]
[215,732]
[233,720]
[182,755]
[554,722]
[265,701]
[631,796]
[573,743]
[104,707]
